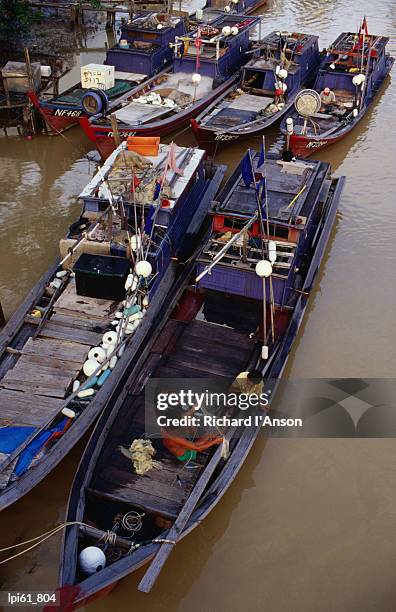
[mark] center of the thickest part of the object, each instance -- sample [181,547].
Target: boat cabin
[295,52]
[352,54]
[293,192]
[217,49]
[135,180]
[143,46]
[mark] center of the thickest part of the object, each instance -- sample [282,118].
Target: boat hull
[132,562]
[57,118]
[103,138]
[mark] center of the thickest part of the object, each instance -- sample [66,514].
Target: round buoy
[90,366]
[196,78]
[91,560]
[263,268]
[110,337]
[226,31]
[226,10]
[282,74]
[234,30]
[143,268]
[97,353]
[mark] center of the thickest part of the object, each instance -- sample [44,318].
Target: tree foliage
[16,16]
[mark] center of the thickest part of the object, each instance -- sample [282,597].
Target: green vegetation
[16,17]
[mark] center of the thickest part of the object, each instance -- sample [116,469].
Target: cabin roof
[346,42]
[216,26]
[148,21]
[291,39]
[284,181]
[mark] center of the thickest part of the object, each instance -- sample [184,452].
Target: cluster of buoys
[102,359]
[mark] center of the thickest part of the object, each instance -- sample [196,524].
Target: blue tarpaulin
[13,437]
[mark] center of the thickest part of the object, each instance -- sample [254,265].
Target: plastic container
[97,76]
[15,73]
[101,276]
[145,145]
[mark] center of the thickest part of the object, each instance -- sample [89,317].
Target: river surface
[309,523]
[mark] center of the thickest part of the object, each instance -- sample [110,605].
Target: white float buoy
[143,268]
[226,31]
[90,366]
[263,268]
[129,282]
[289,125]
[282,74]
[272,251]
[145,301]
[109,337]
[91,560]
[76,386]
[196,78]
[85,393]
[98,353]
[67,412]
[234,30]
[227,9]
[113,362]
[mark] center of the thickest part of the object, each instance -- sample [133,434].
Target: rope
[164,541]
[38,540]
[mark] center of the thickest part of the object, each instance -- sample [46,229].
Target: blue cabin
[352,54]
[144,44]
[295,190]
[296,52]
[217,49]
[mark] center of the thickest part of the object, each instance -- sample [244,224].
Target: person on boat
[328,99]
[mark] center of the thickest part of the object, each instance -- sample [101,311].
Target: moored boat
[282,65]
[72,342]
[206,63]
[142,51]
[263,252]
[353,70]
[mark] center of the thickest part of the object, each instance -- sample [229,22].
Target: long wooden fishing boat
[73,342]
[142,51]
[206,64]
[263,253]
[283,64]
[352,72]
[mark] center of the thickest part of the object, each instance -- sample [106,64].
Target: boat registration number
[64,112]
[224,137]
[122,134]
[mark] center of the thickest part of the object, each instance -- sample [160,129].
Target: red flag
[197,44]
[135,183]
[364,26]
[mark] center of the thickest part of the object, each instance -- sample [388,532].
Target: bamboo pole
[114,127]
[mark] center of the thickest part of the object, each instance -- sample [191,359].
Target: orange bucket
[144,145]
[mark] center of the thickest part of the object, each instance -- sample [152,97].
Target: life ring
[94,102]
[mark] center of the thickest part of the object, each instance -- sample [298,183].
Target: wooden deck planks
[60,349]
[72,302]
[20,408]
[80,336]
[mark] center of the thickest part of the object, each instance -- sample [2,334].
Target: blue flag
[148,226]
[157,191]
[247,170]
[261,159]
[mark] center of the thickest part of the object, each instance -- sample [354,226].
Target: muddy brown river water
[309,524]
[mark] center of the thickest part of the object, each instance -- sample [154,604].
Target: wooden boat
[217,331]
[205,65]
[142,51]
[282,65]
[72,343]
[355,67]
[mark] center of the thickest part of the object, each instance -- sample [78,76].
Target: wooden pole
[114,127]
